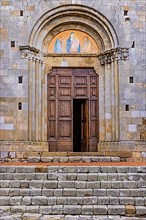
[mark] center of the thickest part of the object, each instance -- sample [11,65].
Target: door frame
[91,73]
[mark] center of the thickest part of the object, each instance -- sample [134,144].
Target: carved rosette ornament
[114,54]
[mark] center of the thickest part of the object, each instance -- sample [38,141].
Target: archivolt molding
[77,14]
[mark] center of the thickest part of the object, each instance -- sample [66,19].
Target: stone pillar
[113,101]
[116,78]
[33,100]
[37,100]
[110,59]
[107,93]
[43,104]
[30,99]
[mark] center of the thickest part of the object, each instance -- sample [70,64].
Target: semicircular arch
[77,17]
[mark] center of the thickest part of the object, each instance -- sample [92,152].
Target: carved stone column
[110,61]
[35,92]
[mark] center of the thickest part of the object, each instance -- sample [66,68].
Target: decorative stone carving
[31,53]
[113,54]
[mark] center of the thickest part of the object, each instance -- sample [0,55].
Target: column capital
[31,53]
[114,54]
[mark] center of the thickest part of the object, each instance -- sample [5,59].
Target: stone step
[74,190]
[65,156]
[79,210]
[65,197]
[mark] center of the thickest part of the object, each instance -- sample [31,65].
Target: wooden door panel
[65,92]
[64,85]
[65,109]
[65,129]
[52,108]
[52,128]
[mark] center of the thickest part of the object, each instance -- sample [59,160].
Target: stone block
[24,192]
[75,200]
[14,192]
[35,184]
[113,192]
[114,200]
[26,200]
[4,200]
[71,176]
[66,184]
[61,201]
[117,184]
[116,209]
[33,159]
[80,184]
[24,184]
[92,176]
[35,192]
[94,169]
[15,200]
[52,176]
[93,185]
[130,184]
[87,210]
[48,192]
[127,201]
[72,209]
[57,192]
[69,192]
[124,192]
[80,169]
[130,209]
[92,200]
[51,200]
[122,169]
[39,200]
[57,209]
[100,192]
[100,209]
[135,192]
[4,192]
[45,210]
[108,169]
[32,209]
[106,184]
[140,210]
[122,176]
[112,176]
[18,209]
[81,176]
[139,201]
[41,176]
[68,169]
[30,176]
[4,183]
[102,176]
[50,184]
[84,192]
[14,184]
[103,200]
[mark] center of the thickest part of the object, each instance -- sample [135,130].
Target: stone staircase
[72,192]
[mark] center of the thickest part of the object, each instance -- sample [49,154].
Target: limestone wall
[18,19]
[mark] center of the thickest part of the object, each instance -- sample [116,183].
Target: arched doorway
[104,62]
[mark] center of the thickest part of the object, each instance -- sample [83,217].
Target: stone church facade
[47,96]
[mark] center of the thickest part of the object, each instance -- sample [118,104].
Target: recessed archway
[104,61]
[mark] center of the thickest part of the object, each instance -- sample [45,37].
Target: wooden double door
[72,110]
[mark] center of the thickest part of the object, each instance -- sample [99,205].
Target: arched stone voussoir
[79,16]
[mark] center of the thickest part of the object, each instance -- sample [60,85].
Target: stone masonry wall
[17,21]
